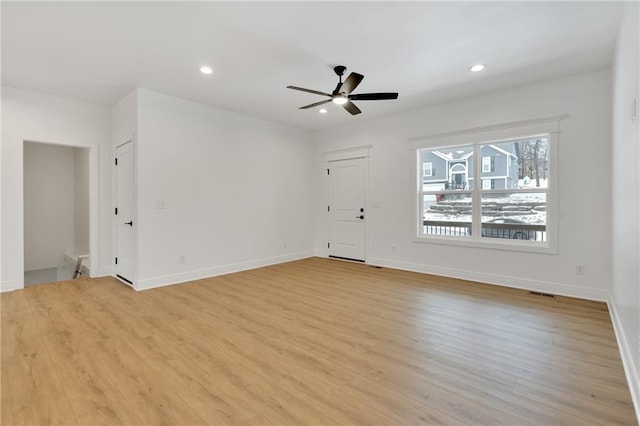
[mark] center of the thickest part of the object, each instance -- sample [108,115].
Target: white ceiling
[99,52]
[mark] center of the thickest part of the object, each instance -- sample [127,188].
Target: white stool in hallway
[78,270]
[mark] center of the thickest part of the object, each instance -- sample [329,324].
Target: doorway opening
[56,212]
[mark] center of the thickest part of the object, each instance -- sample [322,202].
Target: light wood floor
[316,342]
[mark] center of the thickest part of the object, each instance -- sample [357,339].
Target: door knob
[360,217]
[129,223]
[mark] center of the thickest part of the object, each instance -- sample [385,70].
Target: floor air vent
[538,293]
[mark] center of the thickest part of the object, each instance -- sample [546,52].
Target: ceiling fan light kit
[341,95]
[340,100]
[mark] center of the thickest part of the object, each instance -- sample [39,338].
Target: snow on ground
[531,183]
[501,205]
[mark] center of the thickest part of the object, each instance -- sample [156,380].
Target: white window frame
[548,127]
[430,168]
[486,164]
[486,184]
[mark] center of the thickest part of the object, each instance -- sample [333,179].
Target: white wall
[625,291]
[236,191]
[49,206]
[42,118]
[81,159]
[124,121]
[584,187]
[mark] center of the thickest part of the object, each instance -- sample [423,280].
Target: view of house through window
[509,203]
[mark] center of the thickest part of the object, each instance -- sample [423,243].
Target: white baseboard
[626,354]
[502,280]
[8,285]
[107,271]
[148,283]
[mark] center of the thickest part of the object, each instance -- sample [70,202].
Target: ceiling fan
[341,95]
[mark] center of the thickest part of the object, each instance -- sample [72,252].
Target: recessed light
[323,111]
[477,67]
[206,70]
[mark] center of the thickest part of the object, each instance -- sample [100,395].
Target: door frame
[347,154]
[134,209]
[94,211]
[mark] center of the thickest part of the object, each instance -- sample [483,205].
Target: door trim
[347,153]
[362,152]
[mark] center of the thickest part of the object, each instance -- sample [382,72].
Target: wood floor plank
[37,395]
[86,386]
[313,342]
[154,400]
[588,404]
[6,414]
[193,382]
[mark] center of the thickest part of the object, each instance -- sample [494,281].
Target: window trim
[486,135]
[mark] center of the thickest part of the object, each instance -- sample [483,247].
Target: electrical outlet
[580,269]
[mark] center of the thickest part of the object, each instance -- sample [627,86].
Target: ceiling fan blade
[373,96]
[302,89]
[315,104]
[350,106]
[351,82]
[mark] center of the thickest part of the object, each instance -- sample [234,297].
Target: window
[427,169]
[486,164]
[510,208]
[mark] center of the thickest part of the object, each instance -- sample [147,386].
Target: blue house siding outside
[438,168]
[499,166]
[453,168]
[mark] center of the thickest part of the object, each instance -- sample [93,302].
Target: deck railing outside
[514,231]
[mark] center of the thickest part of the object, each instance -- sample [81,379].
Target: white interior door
[125,261]
[346,209]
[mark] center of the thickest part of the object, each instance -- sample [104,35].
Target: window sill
[487,243]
